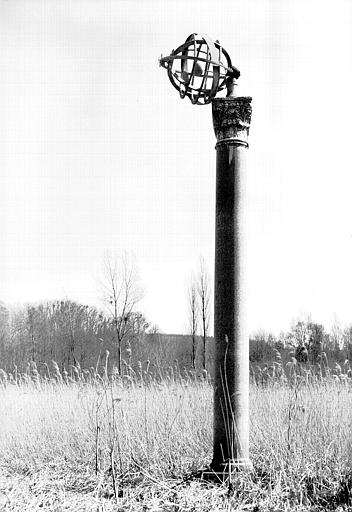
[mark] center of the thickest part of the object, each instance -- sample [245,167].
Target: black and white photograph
[175,256]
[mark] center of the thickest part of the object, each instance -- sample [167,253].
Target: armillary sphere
[199,68]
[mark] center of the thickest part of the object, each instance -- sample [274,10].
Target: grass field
[89,444]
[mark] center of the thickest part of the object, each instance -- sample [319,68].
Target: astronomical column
[199,69]
[231,119]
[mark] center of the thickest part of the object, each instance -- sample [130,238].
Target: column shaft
[231,377]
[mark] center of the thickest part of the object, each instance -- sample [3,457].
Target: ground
[111,445]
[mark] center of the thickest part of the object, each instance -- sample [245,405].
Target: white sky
[97,152]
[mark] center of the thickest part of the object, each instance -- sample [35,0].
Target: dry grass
[98,444]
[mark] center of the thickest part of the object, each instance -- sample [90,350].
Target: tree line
[307,342]
[63,331]
[74,334]
[121,338]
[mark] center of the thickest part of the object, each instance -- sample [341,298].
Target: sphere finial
[199,69]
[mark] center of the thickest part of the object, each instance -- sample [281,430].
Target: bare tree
[203,288]
[122,292]
[31,320]
[4,330]
[336,335]
[299,333]
[193,316]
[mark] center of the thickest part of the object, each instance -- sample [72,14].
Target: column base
[221,472]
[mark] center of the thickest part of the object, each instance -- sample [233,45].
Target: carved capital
[232,119]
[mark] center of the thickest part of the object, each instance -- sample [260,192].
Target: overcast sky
[97,151]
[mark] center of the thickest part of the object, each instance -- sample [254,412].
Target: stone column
[231,118]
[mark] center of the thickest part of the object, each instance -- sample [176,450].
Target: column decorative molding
[231,119]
